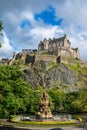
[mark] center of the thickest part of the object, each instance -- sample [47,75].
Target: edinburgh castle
[56,50]
[60,47]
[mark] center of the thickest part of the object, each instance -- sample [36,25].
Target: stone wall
[26,58]
[45,58]
[65,52]
[61,55]
[71,61]
[76,53]
[29,59]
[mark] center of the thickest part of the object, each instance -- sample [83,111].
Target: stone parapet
[45,57]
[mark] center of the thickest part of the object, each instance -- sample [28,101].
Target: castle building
[57,50]
[60,47]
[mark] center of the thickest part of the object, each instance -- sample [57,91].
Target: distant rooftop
[29,50]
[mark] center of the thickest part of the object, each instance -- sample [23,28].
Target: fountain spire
[44,111]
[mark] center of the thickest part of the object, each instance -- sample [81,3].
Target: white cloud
[73,12]
[27,15]
[45,32]
[77,39]
[6,50]
[39,33]
[14,11]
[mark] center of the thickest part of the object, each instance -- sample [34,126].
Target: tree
[14,91]
[68,100]
[16,95]
[34,101]
[1,26]
[57,98]
[80,103]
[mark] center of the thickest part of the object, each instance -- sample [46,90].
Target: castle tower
[46,43]
[66,42]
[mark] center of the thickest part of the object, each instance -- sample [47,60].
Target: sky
[27,22]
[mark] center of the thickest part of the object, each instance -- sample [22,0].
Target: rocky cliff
[57,75]
[61,76]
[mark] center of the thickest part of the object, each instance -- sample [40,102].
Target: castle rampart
[45,58]
[56,50]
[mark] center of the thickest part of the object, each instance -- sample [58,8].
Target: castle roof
[55,41]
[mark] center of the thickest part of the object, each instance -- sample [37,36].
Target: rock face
[61,76]
[58,76]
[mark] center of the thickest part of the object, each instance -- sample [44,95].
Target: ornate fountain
[44,111]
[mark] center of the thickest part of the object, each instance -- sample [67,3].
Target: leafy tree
[16,95]
[67,102]
[14,91]
[57,98]
[1,26]
[34,102]
[80,103]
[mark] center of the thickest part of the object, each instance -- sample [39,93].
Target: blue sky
[25,23]
[48,17]
[28,22]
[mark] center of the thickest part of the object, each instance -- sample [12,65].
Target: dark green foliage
[80,103]
[73,102]
[1,27]
[67,102]
[57,98]
[14,91]
[34,101]
[16,96]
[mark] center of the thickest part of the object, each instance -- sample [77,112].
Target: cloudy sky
[26,22]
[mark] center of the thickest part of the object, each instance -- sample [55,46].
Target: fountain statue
[44,111]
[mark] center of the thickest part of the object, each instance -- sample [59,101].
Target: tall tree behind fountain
[44,111]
